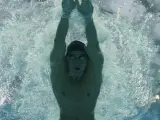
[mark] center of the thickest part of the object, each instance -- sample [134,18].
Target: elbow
[101,57]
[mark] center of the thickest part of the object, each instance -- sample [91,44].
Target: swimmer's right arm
[59,48]
[59,42]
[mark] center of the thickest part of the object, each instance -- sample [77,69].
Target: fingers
[63,2]
[86,1]
[74,4]
[77,2]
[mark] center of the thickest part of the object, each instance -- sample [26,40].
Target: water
[27,31]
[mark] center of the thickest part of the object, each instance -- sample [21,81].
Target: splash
[26,40]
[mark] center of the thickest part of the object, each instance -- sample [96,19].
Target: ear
[77,2]
[86,50]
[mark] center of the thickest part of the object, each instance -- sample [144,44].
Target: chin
[76,75]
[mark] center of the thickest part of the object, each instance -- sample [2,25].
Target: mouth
[77,68]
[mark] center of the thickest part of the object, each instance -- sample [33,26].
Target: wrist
[65,15]
[64,20]
[88,19]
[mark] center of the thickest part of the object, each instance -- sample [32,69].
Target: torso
[76,99]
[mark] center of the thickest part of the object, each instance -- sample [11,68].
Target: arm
[59,42]
[58,51]
[93,47]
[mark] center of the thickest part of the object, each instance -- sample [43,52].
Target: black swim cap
[76,46]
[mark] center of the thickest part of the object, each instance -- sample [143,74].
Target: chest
[86,91]
[74,99]
[76,93]
[77,97]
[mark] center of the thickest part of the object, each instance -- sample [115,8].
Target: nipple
[63,93]
[88,94]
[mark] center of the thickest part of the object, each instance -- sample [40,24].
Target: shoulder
[96,64]
[94,74]
[58,69]
[57,63]
[96,58]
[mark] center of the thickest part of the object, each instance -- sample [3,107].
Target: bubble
[27,39]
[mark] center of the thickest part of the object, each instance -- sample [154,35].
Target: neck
[76,77]
[76,80]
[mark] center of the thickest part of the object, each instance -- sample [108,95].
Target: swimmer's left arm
[93,47]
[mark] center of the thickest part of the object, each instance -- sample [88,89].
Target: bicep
[57,55]
[57,69]
[58,51]
[95,54]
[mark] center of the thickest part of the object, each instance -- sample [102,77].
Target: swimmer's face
[77,62]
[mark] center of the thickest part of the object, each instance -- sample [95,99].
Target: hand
[86,9]
[68,6]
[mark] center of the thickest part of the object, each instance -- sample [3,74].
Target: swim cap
[76,46]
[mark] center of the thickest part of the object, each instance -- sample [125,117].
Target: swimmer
[76,72]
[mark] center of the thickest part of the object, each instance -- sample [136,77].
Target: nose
[77,62]
[77,68]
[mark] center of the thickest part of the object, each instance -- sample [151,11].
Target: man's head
[77,59]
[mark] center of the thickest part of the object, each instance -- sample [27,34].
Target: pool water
[27,31]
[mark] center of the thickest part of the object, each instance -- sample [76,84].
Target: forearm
[62,30]
[91,33]
[93,47]
[58,50]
